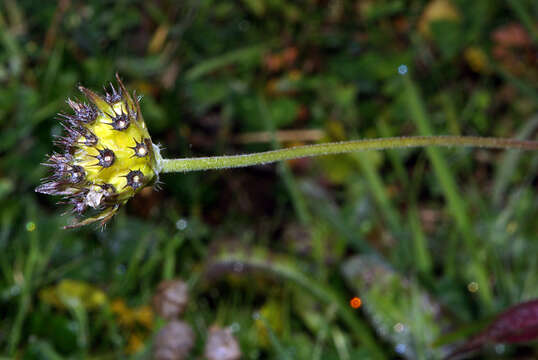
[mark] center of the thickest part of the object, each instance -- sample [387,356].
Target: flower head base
[108,155]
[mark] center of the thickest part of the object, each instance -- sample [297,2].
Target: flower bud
[107,155]
[171,298]
[173,342]
[221,345]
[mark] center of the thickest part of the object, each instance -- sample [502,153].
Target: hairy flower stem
[233,161]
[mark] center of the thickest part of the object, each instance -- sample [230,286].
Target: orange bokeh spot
[355,303]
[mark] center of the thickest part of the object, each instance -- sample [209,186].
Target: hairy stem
[233,161]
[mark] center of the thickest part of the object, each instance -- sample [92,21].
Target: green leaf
[401,312]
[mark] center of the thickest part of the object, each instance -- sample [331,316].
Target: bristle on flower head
[107,155]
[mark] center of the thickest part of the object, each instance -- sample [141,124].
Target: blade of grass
[51,73]
[133,268]
[15,54]
[285,268]
[421,253]
[26,293]
[277,346]
[298,201]
[420,249]
[342,224]
[394,155]
[378,191]
[403,313]
[45,351]
[509,161]
[341,344]
[81,316]
[450,114]
[519,84]
[321,336]
[245,54]
[170,256]
[455,202]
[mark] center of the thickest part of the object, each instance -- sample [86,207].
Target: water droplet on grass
[120,269]
[401,348]
[181,224]
[30,226]
[473,286]
[399,327]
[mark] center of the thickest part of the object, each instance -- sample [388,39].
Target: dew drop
[30,226]
[399,327]
[473,286]
[181,224]
[120,269]
[235,327]
[243,25]
[401,348]
[402,69]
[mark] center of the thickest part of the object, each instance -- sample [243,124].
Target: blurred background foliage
[434,243]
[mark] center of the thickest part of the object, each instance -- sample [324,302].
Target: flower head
[107,155]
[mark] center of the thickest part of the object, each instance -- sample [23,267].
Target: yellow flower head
[107,157]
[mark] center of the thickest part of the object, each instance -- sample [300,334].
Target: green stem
[233,161]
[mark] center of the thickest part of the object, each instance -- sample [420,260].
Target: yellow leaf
[69,293]
[437,10]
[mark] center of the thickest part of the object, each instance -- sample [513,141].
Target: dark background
[434,243]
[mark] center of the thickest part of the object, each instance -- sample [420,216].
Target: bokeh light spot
[181,224]
[399,327]
[401,348]
[355,303]
[473,286]
[511,227]
[30,226]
